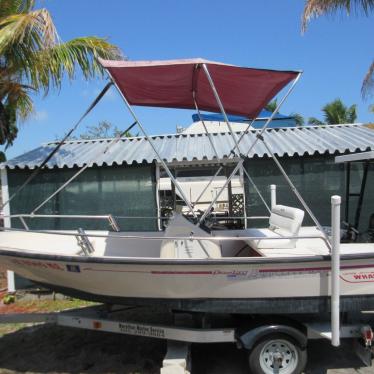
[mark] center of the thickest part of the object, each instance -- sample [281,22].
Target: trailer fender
[249,338]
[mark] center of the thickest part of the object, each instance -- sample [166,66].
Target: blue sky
[334,54]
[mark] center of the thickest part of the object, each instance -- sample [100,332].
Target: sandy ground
[52,349]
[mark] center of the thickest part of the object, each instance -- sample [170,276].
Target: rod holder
[273,195]
[335,270]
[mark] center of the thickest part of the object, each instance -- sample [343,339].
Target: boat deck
[114,246]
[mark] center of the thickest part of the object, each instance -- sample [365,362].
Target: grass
[37,306]
[12,327]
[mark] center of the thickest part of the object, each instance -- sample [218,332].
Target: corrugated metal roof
[196,147]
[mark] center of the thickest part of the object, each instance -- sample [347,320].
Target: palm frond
[8,7]
[36,29]
[299,119]
[8,127]
[30,45]
[63,58]
[18,98]
[32,57]
[315,122]
[336,112]
[316,8]
[271,106]
[351,114]
[368,83]
[15,104]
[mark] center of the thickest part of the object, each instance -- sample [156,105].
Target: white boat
[285,268]
[208,273]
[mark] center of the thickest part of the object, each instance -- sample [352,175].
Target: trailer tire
[291,357]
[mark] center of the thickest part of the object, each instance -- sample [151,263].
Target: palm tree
[335,113]
[313,121]
[271,106]
[299,119]
[316,8]
[33,59]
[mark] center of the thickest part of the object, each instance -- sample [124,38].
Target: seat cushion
[284,219]
[180,226]
[268,242]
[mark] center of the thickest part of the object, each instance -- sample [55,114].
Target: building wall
[317,178]
[119,190]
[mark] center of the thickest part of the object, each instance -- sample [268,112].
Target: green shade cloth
[317,178]
[116,190]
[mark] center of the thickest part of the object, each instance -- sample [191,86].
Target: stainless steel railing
[112,219]
[190,237]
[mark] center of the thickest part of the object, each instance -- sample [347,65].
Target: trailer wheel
[277,353]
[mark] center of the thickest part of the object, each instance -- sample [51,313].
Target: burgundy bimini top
[171,83]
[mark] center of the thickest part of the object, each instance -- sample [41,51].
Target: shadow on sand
[54,349]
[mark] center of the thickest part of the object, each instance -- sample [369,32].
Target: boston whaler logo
[358,276]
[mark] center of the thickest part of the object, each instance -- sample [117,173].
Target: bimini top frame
[201,85]
[180,84]
[196,84]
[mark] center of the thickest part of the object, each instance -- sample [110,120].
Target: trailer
[275,343]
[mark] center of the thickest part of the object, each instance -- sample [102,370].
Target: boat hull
[245,285]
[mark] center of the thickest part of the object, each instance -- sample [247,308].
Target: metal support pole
[335,271]
[259,136]
[79,172]
[242,136]
[273,195]
[59,145]
[207,186]
[229,194]
[157,175]
[347,191]
[361,195]
[244,196]
[211,143]
[203,122]
[11,281]
[60,188]
[237,167]
[24,223]
[297,194]
[173,196]
[163,163]
[219,102]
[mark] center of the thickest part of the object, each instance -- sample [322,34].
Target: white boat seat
[180,226]
[283,221]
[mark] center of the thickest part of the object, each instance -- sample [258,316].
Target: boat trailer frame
[180,334]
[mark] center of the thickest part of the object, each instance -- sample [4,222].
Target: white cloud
[40,115]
